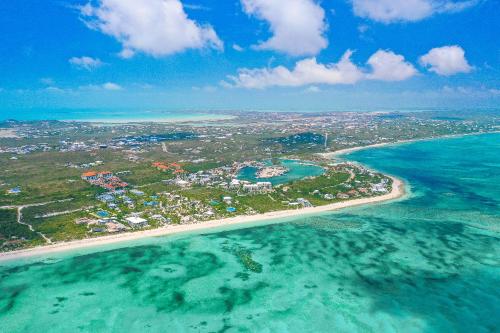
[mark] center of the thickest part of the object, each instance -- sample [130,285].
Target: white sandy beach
[398,190]
[353,149]
[344,151]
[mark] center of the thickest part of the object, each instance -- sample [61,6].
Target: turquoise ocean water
[297,170]
[121,115]
[430,263]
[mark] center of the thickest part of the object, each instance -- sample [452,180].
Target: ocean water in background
[429,263]
[111,116]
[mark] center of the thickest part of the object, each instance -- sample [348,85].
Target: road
[19,209]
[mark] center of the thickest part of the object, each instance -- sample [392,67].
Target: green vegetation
[14,235]
[47,160]
[61,228]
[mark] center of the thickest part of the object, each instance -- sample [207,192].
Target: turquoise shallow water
[121,115]
[297,170]
[430,263]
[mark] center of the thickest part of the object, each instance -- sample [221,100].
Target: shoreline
[160,120]
[345,151]
[398,191]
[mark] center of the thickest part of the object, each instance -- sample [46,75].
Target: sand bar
[398,190]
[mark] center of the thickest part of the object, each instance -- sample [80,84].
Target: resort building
[104,179]
[136,222]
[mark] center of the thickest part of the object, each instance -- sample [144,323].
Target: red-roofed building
[161,166]
[89,176]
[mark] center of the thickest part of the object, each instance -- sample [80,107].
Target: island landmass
[68,184]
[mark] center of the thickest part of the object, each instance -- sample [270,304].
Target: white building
[265,186]
[252,188]
[136,222]
[181,182]
[235,183]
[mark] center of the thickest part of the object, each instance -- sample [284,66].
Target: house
[106,197]
[136,222]
[380,188]
[161,219]
[90,176]
[85,220]
[187,219]
[304,202]
[15,190]
[105,174]
[137,192]
[115,227]
[160,166]
[181,183]
[105,221]
[175,165]
[329,196]
[209,213]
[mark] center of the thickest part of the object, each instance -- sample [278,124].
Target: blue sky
[249,54]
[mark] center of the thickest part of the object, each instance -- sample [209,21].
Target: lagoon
[428,263]
[297,170]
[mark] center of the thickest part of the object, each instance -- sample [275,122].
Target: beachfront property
[136,222]
[259,187]
[207,177]
[380,187]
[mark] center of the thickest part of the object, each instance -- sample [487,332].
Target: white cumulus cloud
[388,66]
[87,63]
[389,11]
[298,26]
[154,27]
[446,60]
[307,71]
[383,66]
